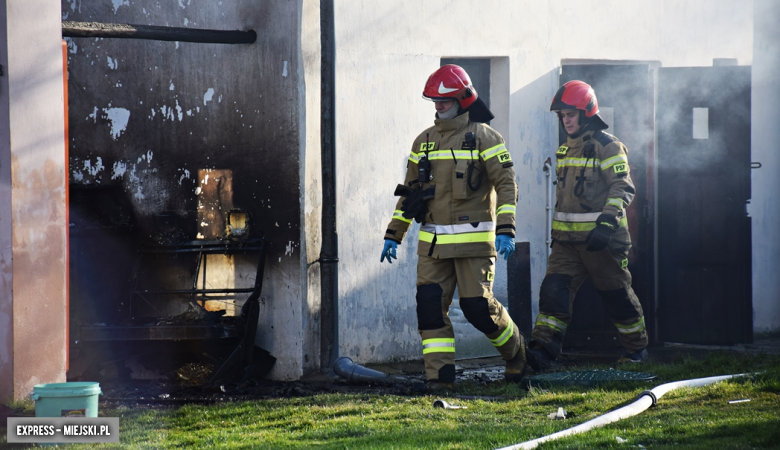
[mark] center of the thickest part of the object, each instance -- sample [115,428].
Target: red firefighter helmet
[576,94]
[450,82]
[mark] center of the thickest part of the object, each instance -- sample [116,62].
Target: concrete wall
[160,120]
[33,244]
[385,52]
[765,206]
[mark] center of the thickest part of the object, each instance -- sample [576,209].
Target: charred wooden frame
[72,29]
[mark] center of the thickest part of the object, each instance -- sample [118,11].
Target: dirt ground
[406,378]
[184,385]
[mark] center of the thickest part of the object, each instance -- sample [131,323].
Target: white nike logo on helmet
[444,90]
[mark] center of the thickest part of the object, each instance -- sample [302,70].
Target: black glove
[415,205]
[599,237]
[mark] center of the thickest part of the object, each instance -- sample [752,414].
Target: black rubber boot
[515,367]
[636,357]
[539,359]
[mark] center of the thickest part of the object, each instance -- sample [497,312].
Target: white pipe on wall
[549,203]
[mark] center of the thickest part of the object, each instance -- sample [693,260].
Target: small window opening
[701,123]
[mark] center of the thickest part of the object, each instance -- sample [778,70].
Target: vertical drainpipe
[67,205]
[329,253]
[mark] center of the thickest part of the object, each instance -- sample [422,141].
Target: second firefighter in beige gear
[475,199]
[589,231]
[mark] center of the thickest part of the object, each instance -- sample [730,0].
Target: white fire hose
[646,400]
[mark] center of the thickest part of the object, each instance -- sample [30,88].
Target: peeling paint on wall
[208,96]
[72,46]
[117,116]
[94,170]
[171,112]
[119,169]
[185,175]
[118,3]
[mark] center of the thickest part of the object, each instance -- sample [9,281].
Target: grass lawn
[697,418]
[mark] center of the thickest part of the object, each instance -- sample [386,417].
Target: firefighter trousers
[436,281]
[569,266]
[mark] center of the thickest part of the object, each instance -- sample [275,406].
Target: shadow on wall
[534,138]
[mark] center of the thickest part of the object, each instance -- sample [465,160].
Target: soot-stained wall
[162,120]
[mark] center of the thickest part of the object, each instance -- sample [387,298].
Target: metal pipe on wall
[329,253]
[548,232]
[67,205]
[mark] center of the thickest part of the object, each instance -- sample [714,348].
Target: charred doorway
[625,95]
[169,204]
[704,239]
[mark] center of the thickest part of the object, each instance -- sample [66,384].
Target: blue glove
[505,245]
[389,251]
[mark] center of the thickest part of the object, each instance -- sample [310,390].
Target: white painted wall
[385,52]
[765,206]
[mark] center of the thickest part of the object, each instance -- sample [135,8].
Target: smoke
[703,119]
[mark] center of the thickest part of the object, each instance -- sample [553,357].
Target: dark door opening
[704,236]
[625,96]
[479,72]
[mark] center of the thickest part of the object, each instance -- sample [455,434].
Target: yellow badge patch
[490,276]
[621,168]
[562,150]
[427,146]
[504,157]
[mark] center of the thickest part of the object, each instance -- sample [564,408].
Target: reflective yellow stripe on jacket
[609,162]
[582,162]
[506,209]
[493,151]
[616,202]
[445,154]
[458,234]
[579,221]
[398,214]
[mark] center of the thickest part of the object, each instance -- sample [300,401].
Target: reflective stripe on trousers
[501,340]
[551,322]
[438,345]
[633,328]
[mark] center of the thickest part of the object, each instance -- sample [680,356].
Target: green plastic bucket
[75,399]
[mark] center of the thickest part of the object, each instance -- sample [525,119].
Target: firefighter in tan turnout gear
[589,231]
[460,186]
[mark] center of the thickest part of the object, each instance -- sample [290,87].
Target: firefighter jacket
[593,178]
[475,190]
